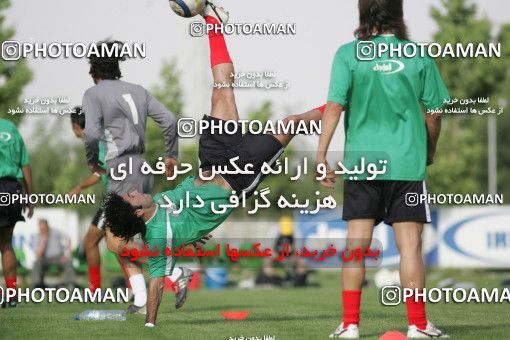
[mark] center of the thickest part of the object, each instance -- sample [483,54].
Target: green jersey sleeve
[434,92]
[341,78]
[104,165]
[158,264]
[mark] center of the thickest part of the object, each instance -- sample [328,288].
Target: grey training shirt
[117,111]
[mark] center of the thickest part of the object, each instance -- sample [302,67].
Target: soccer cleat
[219,13]
[349,332]
[132,309]
[431,331]
[182,287]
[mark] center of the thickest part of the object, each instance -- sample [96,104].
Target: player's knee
[5,245]
[293,118]
[90,241]
[112,247]
[411,246]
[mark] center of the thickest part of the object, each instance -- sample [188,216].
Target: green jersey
[168,228]
[103,165]
[382,100]
[13,154]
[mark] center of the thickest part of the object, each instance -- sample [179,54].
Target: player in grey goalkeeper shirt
[116,113]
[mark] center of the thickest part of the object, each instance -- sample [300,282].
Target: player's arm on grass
[329,123]
[93,117]
[158,269]
[156,285]
[90,181]
[168,123]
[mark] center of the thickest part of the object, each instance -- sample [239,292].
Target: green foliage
[169,92]
[460,163]
[58,166]
[503,121]
[14,75]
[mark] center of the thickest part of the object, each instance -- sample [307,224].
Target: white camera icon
[5,199]
[187,128]
[412,199]
[391,295]
[11,50]
[366,50]
[197,29]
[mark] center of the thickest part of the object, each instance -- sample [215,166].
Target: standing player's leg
[223,99]
[359,234]
[8,258]
[412,268]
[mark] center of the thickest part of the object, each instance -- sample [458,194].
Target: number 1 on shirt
[132,107]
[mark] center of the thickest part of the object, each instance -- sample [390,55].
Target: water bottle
[116,315]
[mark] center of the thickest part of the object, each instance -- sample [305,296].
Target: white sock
[175,274]
[139,289]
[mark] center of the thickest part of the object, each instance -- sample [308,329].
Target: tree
[59,164]
[503,121]
[14,75]
[460,164]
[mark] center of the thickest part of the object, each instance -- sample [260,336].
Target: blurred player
[116,114]
[383,101]
[14,165]
[52,247]
[160,228]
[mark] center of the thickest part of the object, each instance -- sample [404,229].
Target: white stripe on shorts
[256,181]
[427,207]
[100,222]
[169,235]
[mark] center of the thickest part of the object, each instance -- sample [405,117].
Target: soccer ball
[187,8]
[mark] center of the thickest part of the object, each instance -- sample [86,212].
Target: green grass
[308,313]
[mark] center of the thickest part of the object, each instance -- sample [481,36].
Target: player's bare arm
[330,121]
[156,286]
[90,181]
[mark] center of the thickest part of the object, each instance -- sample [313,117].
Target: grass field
[307,313]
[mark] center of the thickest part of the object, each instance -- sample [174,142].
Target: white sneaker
[216,12]
[182,287]
[431,331]
[132,309]
[349,332]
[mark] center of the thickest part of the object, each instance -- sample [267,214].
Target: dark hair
[104,66]
[78,117]
[120,217]
[381,16]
